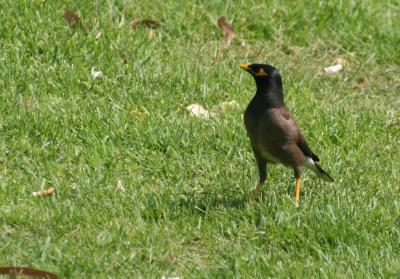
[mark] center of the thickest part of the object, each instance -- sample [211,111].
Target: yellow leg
[297,189]
[256,191]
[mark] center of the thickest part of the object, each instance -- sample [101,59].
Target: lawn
[144,190]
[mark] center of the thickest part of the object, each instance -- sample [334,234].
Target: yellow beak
[244,67]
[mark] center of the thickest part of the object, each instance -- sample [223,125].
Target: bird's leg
[262,165]
[297,174]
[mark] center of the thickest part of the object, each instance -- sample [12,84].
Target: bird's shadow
[204,202]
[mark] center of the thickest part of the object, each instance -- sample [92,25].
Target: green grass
[185,211]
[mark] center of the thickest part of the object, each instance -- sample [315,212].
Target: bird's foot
[256,192]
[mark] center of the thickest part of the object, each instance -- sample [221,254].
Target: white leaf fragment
[98,35]
[120,186]
[96,74]
[333,69]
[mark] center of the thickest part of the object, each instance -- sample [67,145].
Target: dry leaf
[72,18]
[120,186]
[23,272]
[152,23]
[44,192]
[197,110]
[333,69]
[342,62]
[124,57]
[360,81]
[152,34]
[226,29]
[226,106]
[139,112]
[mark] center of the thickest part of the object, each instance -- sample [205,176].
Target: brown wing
[301,141]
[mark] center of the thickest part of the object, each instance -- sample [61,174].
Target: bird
[274,135]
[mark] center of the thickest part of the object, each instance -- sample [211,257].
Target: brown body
[274,135]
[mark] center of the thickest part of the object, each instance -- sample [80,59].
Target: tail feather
[323,174]
[315,167]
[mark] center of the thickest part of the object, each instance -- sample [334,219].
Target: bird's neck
[270,94]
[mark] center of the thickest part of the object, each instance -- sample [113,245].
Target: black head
[260,71]
[268,80]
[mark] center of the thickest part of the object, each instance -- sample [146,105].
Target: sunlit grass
[185,209]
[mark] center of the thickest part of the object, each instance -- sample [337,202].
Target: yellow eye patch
[261,73]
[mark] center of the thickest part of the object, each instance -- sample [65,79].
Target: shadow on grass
[208,201]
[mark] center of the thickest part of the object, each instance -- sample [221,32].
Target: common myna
[274,134]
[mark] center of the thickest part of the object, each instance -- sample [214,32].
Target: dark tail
[323,174]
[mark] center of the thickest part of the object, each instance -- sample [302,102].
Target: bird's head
[260,71]
[266,76]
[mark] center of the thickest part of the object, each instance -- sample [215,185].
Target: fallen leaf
[98,36]
[360,81]
[44,192]
[226,29]
[342,62]
[152,34]
[226,106]
[124,57]
[197,110]
[96,74]
[72,18]
[333,69]
[14,272]
[120,186]
[139,112]
[151,23]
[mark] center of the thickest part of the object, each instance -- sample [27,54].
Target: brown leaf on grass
[360,81]
[226,29]
[44,192]
[124,57]
[72,18]
[151,23]
[152,34]
[342,62]
[13,272]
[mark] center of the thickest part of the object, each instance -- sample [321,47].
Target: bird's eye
[261,73]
